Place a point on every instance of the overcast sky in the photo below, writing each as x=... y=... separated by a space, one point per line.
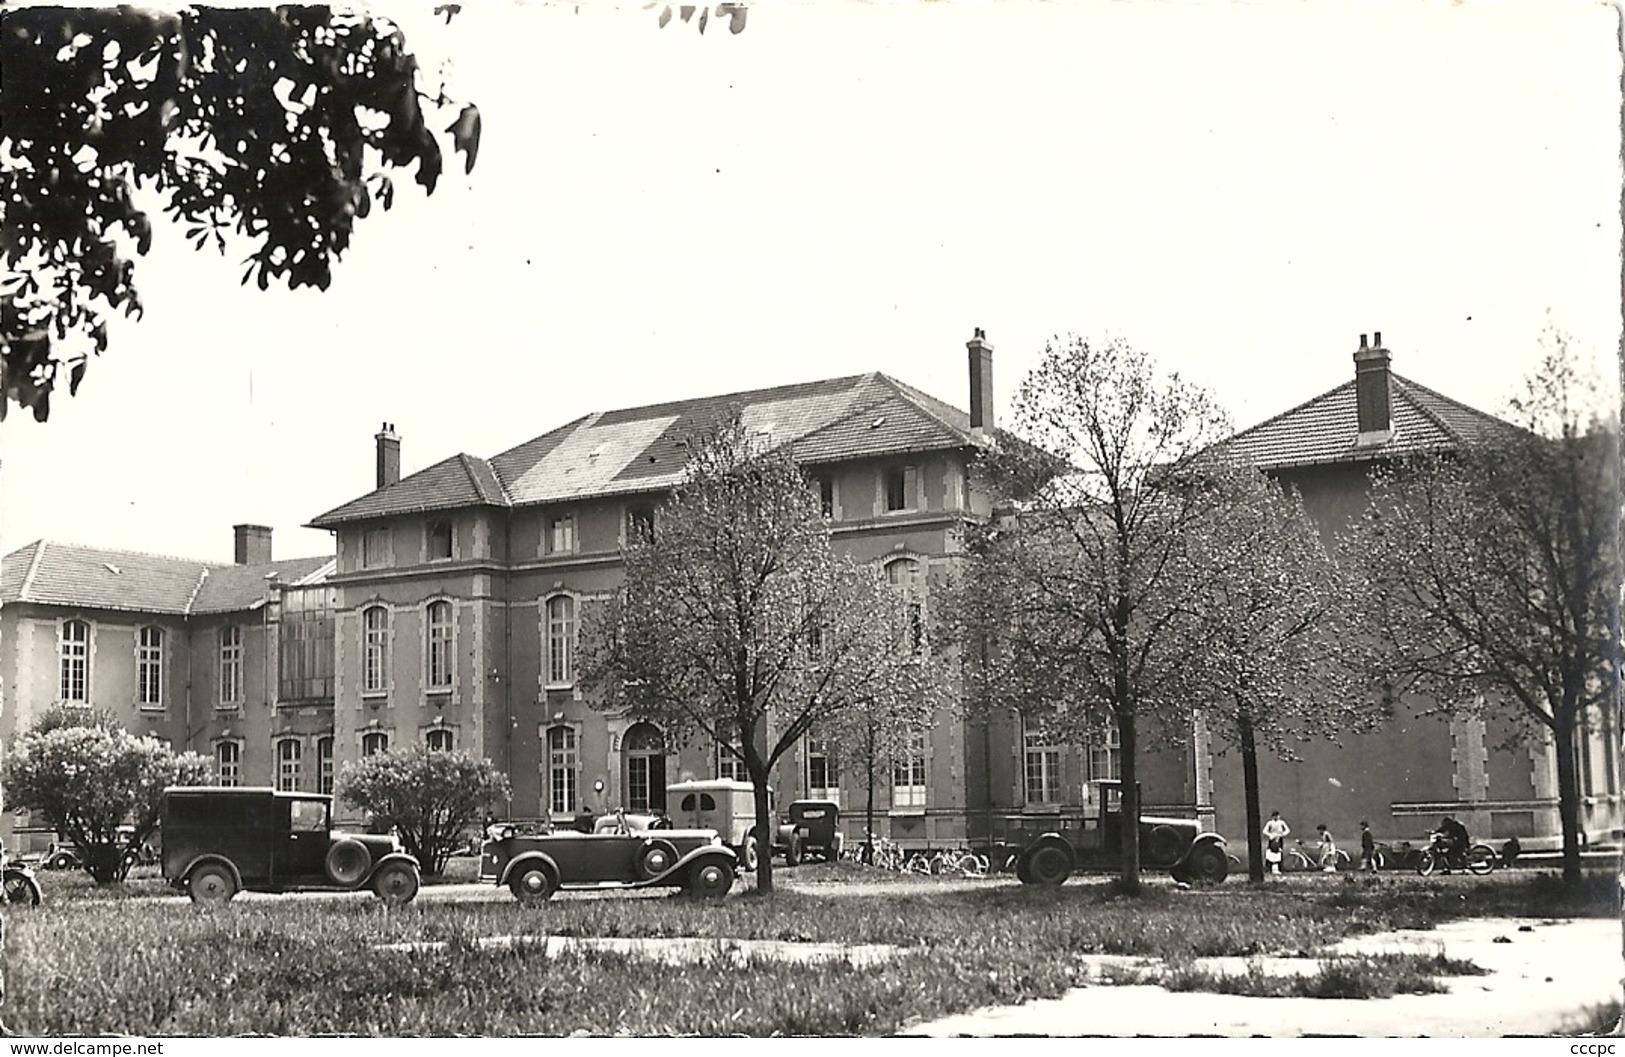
x=1239 y=189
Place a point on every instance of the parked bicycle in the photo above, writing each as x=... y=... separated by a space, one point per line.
x=1302 y=859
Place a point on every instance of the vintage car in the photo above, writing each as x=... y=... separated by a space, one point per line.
x=220 y=841
x=535 y=865
x=1175 y=844
x=729 y=807
x=817 y=828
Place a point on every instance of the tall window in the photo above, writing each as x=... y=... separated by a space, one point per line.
x=438 y=740
x=228 y=763
x=640 y=524
x=561 y=639
x=825 y=485
x=898 y=485
x=908 y=774
x=288 y=751
x=306 y=644
x=437 y=543
x=562 y=765
x=823 y=782
x=374 y=650
x=729 y=765
x=1105 y=755
x=907 y=577
x=561 y=534
x=438 y=676
x=374 y=548
x=374 y=742
x=1042 y=769
x=231 y=665
x=324 y=765
x=149 y=667
x=74 y=661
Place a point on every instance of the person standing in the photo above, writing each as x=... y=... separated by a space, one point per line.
x=1275 y=834
x=1368 y=848
x=1328 y=849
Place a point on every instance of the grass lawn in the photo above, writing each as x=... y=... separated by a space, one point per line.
x=116 y=960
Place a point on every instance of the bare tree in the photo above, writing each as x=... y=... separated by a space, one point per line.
x=738 y=624
x=1072 y=612
x=1495 y=572
x=1284 y=657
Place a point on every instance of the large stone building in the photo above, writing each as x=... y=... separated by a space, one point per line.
x=232 y=661
x=450 y=614
x=1418 y=767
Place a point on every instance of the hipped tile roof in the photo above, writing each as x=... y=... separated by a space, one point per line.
x=66 y=574
x=644 y=449
x=1325 y=429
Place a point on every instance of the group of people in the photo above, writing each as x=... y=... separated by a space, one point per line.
x=1451 y=832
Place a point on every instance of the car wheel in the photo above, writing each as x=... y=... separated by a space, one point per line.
x=60 y=861
x=211 y=883
x=1162 y=845
x=396 y=883
x=1049 y=864
x=21 y=890
x=532 y=885
x=710 y=880
x=792 y=852
x=1206 y=864
x=654 y=859
x=348 y=862
x=1023 y=874
x=1481 y=859
x=747 y=854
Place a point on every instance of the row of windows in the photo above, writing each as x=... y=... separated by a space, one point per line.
x=290 y=753
x=73 y=664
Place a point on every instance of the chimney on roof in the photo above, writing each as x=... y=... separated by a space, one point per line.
x=389 y=455
x=981 y=382
x=1371 y=391
x=251 y=544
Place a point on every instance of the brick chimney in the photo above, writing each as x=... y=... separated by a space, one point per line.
x=251 y=544
x=981 y=383
x=1371 y=391
x=389 y=455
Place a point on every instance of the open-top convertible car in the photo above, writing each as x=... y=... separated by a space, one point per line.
x=220 y=841
x=534 y=866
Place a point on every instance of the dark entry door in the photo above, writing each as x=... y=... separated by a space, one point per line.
x=645 y=753
x=303 y=840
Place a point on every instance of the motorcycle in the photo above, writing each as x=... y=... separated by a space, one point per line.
x=17 y=883
x=1478 y=858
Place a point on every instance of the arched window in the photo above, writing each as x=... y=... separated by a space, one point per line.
x=644 y=751
x=563 y=766
x=561 y=640
x=439 y=653
x=324 y=765
x=438 y=740
x=907 y=577
x=231 y=665
x=375 y=650
x=288 y=752
x=149 y=667
x=228 y=763
x=373 y=742
x=74 y=661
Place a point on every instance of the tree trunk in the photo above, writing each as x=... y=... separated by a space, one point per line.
x=1568 y=795
x=1127 y=739
x=1249 y=782
x=869 y=812
x=763 y=829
